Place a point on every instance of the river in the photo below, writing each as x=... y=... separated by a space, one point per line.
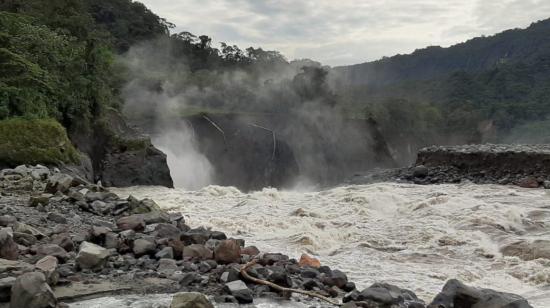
x=413 y=236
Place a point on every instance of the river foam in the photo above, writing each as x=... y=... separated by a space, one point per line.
x=416 y=237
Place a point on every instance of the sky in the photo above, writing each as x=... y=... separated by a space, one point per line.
x=342 y=32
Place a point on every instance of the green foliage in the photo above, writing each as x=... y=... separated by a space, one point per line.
x=50 y=74
x=38 y=141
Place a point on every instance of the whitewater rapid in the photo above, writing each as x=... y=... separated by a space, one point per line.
x=416 y=237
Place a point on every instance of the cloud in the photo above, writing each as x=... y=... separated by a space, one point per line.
x=347 y=31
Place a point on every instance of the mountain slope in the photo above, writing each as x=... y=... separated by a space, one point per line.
x=475 y=55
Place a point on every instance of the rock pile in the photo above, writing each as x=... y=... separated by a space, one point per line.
x=58 y=232
x=523 y=165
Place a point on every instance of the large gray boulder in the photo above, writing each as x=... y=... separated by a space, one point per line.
x=455 y=294
x=8 y=248
x=190 y=300
x=91 y=256
x=30 y=290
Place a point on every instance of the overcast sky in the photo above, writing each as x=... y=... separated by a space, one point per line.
x=337 y=32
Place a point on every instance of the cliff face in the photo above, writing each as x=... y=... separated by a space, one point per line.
x=121 y=156
x=252 y=152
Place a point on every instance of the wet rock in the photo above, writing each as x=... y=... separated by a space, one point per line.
x=528 y=182
x=197 y=251
x=306 y=260
x=546 y=184
x=144 y=246
x=133 y=222
x=420 y=171
x=456 y=294
x=197 y=236
x=309 y=273
x=250 y=251
x=228 y=251
x=8 y=247
x=272 y=258
x=57 y=218
x=52 y=250
x=240 y=291
x=59 y=182
x=91 y=256
x=190 y=300
x=280 y=278
x=5 y=288
x=165 y=253
x=163 y=230
x=217 y=235
x=528 y=250
x=230 y=275
x=336 y=278
x=31 y=290
x=387 y=294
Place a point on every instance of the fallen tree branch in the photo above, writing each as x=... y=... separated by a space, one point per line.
x=282 y=289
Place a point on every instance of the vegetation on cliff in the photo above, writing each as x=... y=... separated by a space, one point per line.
x=35 y=141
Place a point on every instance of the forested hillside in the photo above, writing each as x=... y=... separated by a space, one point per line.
x=488 y=89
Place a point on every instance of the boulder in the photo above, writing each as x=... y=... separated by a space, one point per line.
x=306 y=260
x=167 y=267
x=8 y=248
x=52 y=250
x=9 y=265
x=91 y=256
x=7 y=220
x=177 y=246
x=528 y=182
x=64 y=241
x=228 y=251
x=197 y=251
x=190 y=300
x=48 y=266
x=240 y=291
x=144 y=246
x=133 y=222
x=336 y=278
x=420 y=171
x=455 y=294
x=31 y=290
x=163 y=230
x=250 y=251
x=59 y=182
x=42 y=199
x=165 y=253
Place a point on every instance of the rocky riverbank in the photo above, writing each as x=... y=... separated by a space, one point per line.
x=526 y=166
x=63 y=240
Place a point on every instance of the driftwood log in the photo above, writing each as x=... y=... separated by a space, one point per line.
x=245 y=274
